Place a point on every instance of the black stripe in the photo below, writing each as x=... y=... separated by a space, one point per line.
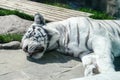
x=90 y=23
x=68 y=39
x=58 y=44
x=110 y=27
x=41 y=34
x=48 y=37
x=116 y=23
x=44 y=31
x=69 y=27
x=33 y=27
x=78 y=35
x=118 y=33
x=81 y=54
x=65 y=35
x=102 y=23
x=86 y=41
x=118 y=27
x=65 y=31
x=68 y=34
x=31 y=34
x=99 y=27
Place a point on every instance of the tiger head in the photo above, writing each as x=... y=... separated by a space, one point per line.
x=34 y=41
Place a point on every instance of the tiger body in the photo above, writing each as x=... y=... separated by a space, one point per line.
x=95 y=42
x=77 y=33
x=70 y=40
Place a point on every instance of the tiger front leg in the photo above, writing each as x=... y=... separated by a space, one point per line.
x=102 y=49
x=89 y=63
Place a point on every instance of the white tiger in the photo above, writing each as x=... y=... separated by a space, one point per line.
x=95 y=42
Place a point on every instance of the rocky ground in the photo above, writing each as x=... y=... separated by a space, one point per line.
x=13 y=24
x=53 y=66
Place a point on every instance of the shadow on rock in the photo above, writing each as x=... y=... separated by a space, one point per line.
x=53 y=57
x=117 y=63
x=56 y=57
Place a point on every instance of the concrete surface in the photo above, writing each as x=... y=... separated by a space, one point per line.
x=53 y=66
x=104 y=76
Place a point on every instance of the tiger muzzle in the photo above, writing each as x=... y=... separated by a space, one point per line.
x=37 y=50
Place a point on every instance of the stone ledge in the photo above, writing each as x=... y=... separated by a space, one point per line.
x=11 y=45
x=52 y=66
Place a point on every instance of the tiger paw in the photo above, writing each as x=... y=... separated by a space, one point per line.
x=89 y=70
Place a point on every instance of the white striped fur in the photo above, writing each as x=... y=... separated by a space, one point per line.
x=95 y=42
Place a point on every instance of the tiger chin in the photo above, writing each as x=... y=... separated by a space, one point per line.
x=95 y=42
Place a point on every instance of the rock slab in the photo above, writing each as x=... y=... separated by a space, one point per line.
x=13 y=24
x=53 y=66
x=11 y=45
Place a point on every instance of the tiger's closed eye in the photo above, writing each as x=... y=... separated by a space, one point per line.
x=29 y=31
x=33 y=27
x=44 y=35
x=38 y=29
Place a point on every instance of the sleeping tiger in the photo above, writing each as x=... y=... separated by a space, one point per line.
x=95 y=42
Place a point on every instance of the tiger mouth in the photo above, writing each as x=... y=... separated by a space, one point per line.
x=39 y=50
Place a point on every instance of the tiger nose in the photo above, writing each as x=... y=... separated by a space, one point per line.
x=25 y=49
x=39 y=49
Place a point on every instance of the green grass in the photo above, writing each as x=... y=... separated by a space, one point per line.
x=23 y=15
x=96 y=14
x=4 y=38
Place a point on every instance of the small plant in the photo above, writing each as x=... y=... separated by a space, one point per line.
x=15 y=12
x=4 y=38
x=96 y=14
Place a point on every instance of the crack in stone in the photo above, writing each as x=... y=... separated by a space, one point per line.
x=26 y=75
x=5 y=73
x=65 y=71
x=3 y=63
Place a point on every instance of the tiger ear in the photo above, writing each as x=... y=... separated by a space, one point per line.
x=38 y=19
